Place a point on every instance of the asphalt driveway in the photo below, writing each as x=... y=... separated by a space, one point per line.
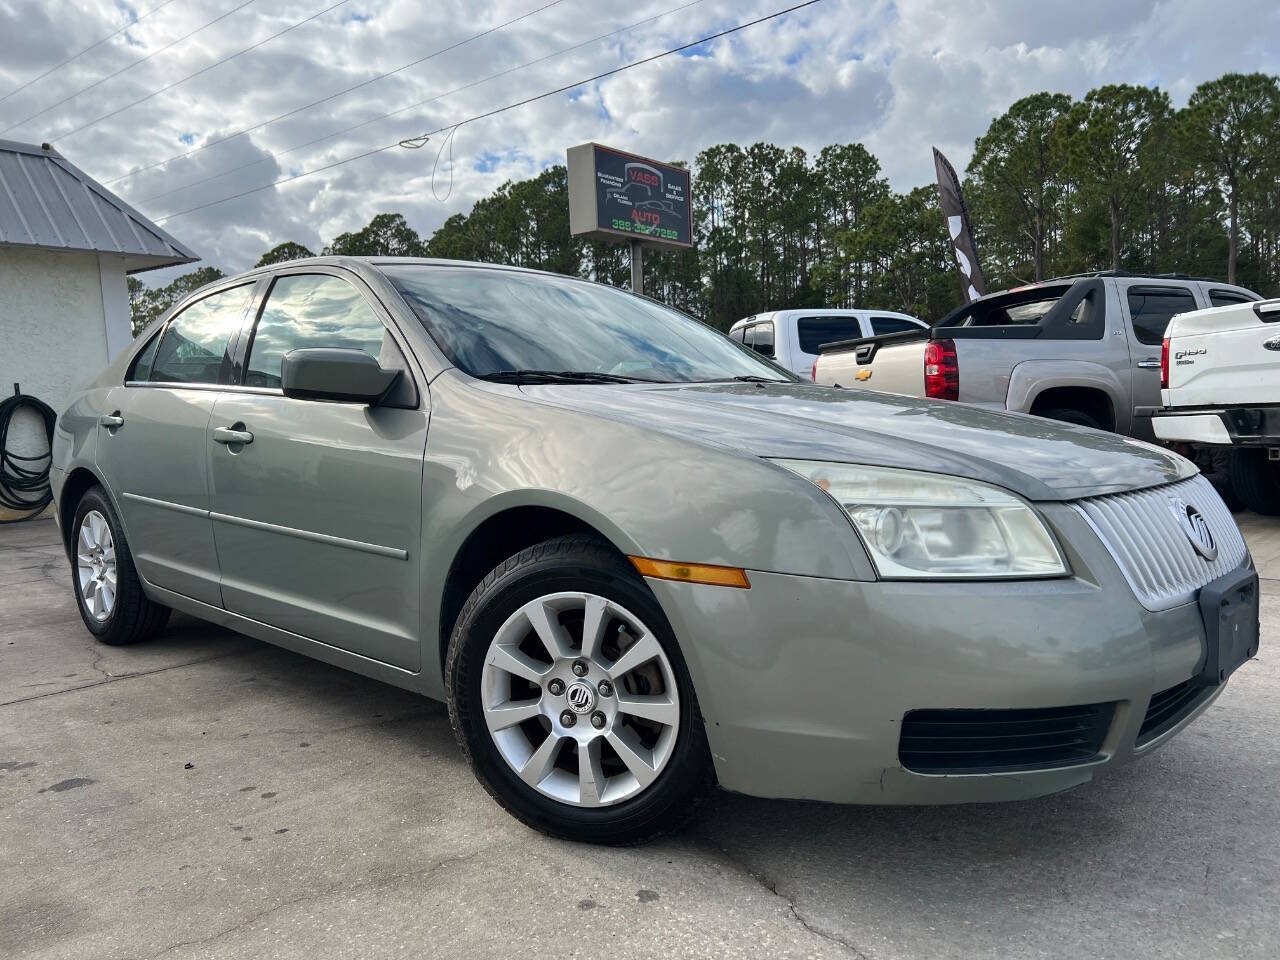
x=207 y=795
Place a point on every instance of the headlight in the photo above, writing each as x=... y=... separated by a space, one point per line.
x=924 y=526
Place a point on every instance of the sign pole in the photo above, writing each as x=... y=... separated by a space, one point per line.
x=637 y=267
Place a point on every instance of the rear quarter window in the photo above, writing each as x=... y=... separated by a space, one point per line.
x=760 y=338
x=140 y=369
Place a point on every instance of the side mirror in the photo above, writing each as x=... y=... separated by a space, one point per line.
x=342 y=375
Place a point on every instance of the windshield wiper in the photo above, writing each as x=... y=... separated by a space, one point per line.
x=558 y=376
x=750 y=378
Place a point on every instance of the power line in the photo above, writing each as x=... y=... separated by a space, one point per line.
x=419 y=103
x=206 y=69
x=333 y=96
x=92 y=46
x=110 y=76
x=493 y=113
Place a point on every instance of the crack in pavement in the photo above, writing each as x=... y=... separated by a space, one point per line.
x=116 y=678
x=768 y=883
x=421 y=874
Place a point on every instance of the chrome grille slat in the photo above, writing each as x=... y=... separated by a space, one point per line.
x=1145 y=537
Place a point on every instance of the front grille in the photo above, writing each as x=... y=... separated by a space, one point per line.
x=1168 y=708
x=1147 y=540
x=987 y=741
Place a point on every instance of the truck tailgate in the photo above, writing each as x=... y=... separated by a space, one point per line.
x=891 y=367
x=1224 y=357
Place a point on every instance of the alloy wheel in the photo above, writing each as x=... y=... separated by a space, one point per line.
x=96 y=565
x=580 y=699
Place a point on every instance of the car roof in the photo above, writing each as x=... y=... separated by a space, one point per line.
x=376 y=262
x=822 y=311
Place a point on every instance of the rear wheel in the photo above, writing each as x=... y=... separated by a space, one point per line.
x=1256 y=481
x=570 y=698
x=1067 y=415
x=108 y=590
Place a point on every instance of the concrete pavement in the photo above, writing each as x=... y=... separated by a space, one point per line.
x=210 y=796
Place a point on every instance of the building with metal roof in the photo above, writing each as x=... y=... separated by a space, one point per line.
x=67 y=246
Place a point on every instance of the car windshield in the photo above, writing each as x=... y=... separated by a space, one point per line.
x=503 y=323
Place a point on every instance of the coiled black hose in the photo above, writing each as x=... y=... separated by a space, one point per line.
x=24 y=480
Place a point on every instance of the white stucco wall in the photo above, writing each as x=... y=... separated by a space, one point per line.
x=62 y=317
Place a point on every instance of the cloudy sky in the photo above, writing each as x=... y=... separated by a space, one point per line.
x=898 y=76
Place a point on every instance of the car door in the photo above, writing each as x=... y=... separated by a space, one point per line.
x=1148 y=309
x=152 y=447
x=317 y=515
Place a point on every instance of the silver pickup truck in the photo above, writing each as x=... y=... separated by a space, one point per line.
x=1084 y=349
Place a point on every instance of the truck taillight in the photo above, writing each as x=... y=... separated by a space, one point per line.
x=941 y=370
x=1164 y=364
x=813 y=371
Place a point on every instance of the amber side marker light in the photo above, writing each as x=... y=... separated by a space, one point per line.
x=692 y=572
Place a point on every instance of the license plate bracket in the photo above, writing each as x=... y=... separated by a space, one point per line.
x=1229 y=607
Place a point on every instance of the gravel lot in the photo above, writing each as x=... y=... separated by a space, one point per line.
x=210 y=796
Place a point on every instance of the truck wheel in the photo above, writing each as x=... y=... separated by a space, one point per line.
x=1256 y=481
x=1072 y=416
x=1215 y=464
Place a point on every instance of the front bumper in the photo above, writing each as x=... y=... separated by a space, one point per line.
x=804 y=682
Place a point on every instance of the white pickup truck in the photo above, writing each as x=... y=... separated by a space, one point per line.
x=1083 y=349
x=1220 y=386
x=791 y=338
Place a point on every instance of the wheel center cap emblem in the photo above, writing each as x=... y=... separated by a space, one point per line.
x=1196 y=527
x=580 y=697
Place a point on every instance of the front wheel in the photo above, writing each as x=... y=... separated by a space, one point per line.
x=570 y=698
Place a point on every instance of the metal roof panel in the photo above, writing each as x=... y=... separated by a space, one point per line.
x=46 y=201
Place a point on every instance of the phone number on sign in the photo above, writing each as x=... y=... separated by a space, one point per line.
x=649 y=231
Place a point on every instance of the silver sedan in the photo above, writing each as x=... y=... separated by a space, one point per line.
x=638 y=560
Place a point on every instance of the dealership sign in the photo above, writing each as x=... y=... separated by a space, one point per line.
x=621 y=197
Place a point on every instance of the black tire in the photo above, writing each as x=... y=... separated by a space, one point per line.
x=134 y=617
x=1256 y=481
x=587 y=564
x=1078 y=417
x=1215 y=464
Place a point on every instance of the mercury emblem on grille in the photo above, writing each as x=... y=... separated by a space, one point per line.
x=1196 y=527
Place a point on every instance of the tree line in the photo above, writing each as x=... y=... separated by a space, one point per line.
x=1117 y=180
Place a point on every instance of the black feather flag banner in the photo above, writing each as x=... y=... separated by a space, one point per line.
x=957 y=217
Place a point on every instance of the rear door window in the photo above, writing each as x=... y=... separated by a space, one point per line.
x=196 y=344
x=1151 y=308
x=883 y=325
x=739 y=335
x=1227 y=298
x=815 y=331
x=314 y=310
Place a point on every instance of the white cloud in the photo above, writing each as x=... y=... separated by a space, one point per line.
x=899 y=76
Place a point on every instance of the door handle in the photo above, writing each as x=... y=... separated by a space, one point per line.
x=1151 y=363
x=111 y=421
x=228 y=435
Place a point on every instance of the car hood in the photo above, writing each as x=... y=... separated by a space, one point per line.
x=1037 y=458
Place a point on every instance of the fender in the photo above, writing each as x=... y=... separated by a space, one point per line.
x=1030 y=378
